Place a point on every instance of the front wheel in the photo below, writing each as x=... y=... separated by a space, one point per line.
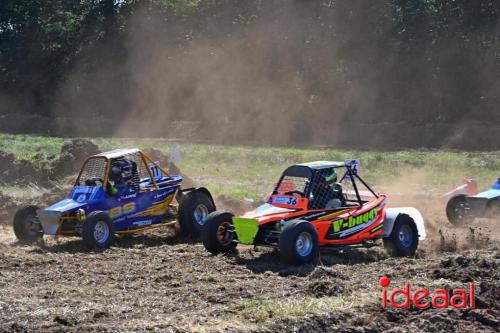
x=403 y=240
x=458 y=211
x=27 y=227
x=193 y=211
x=299 y=242
x=218 y=234
x=98 y=231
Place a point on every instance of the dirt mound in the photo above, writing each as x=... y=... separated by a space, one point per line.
x=165 y=161
x=467 y=268
x=73 y=154
x=322 y=282
x=20 y=172
x=234 y=205
x=14 y=171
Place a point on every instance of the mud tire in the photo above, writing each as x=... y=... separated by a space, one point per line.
x=403 y=240
x=194 y=206
x=90 y=233
x=210 y=233
x=299 y=243
x=24 y=229
x=455 y=211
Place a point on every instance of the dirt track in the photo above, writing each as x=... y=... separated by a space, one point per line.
x=161 y=282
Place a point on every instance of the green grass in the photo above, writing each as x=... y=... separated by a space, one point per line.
x=263 y=310
x=250 y=172
x=25 y=192
x=30 y=147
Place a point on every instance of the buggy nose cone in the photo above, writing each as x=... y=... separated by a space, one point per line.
x=49 y=220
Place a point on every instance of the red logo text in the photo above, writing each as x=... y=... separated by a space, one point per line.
x=423 y=299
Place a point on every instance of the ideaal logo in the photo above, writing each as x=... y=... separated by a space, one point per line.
x=439 y=298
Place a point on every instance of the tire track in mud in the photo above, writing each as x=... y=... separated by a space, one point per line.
x=160 y=281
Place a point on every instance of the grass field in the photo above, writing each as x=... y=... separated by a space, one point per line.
x=249 y=172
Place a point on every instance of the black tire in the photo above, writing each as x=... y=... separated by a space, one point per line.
x=91 y=235
x=457 y=211
x=218 y=234
x=403 y=240
x=27 y=227
x=297 y=251
x=193 y=211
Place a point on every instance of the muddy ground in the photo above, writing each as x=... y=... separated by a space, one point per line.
x=162 y=282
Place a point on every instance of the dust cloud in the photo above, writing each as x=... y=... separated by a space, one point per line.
x=240 y=85
x=276 y=75
x=300 y=73
x=415 y=189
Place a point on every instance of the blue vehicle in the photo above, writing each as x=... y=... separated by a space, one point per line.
x=118 y=192
x=465 y=204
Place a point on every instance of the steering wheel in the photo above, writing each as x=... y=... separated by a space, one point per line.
x=93 y=181
x=294 y=192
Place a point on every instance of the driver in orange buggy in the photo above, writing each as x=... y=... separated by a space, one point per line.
x=326 y=192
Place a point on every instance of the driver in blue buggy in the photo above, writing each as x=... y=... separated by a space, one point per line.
x=121 y=176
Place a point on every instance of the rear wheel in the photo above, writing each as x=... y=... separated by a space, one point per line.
x=218 y=234
x=299 y=242
x=27 y=227
x=98 y=231
x=193 y=211
x=403 y=240
x=458 y=211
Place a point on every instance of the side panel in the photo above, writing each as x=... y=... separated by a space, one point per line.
x=146 y=209
x=353 y=227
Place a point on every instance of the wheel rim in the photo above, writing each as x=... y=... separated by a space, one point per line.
x=460 y=211
x=405 y=236
x=101 y=232
x=225 y=233
x=200 y=214
x=304 y=244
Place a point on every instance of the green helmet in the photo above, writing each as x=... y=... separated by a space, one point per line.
x=328 y=176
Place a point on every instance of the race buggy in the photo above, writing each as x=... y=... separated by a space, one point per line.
x=466 y=204
x=117 y=192
x=311 y=209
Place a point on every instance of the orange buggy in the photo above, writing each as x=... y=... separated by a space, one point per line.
x=312 y=208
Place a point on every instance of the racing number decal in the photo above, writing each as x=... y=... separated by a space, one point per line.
x=115 y=212
x=155 y=171
x=129 y=208
x=292 y=201
x=118 y=211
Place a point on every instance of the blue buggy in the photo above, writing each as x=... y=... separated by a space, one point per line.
x=117 y=192
x=465 y=204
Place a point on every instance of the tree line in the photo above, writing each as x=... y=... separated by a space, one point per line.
x=416 y=61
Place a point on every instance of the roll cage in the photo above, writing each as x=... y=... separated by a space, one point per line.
x=311 y=172
x=148 y=173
